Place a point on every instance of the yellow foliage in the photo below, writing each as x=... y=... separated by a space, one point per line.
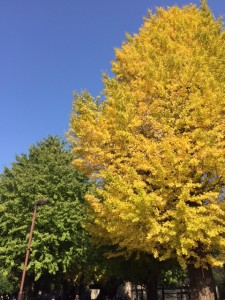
x=156 y=145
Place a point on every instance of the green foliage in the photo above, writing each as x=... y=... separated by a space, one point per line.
x=59 y=241
x=173 y=275
x=6 y=286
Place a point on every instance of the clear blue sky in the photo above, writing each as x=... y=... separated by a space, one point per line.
x=50 y=48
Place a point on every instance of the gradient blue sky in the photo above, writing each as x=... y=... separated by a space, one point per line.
x=50 y=48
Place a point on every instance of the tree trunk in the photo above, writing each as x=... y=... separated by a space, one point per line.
x=151 y=288
x=201 y=283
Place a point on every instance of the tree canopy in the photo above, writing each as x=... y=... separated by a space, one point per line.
x=155 y=145
x=59 y=241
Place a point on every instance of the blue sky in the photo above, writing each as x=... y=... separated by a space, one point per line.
x=50 y=48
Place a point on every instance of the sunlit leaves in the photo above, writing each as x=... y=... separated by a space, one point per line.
x=156 y=145
x=59 y=240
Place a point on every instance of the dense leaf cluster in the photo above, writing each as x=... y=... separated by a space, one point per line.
x=59 y=240
x=156 y=144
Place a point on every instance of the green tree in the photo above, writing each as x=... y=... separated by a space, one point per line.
x=59 y=244
x=6 y=282
x=156 y=144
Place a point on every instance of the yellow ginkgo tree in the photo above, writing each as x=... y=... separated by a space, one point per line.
x=156 y=146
